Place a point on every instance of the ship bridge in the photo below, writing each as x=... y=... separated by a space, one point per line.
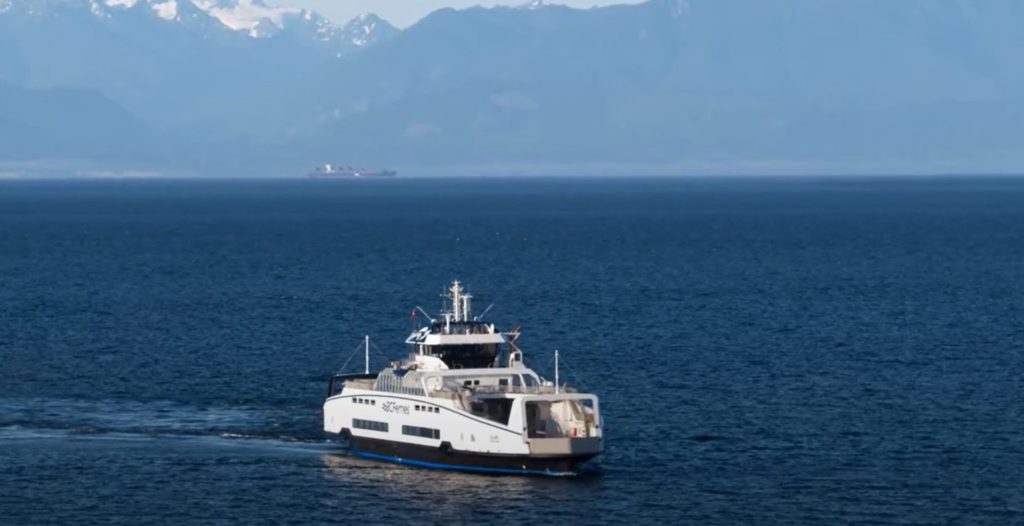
x=458 y=339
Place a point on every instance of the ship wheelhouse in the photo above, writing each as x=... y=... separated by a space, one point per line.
x=459 y=341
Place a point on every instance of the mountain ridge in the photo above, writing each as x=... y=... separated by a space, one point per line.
x=253 y=18
x=187 y=74
x=33 y=125
x=667 y=82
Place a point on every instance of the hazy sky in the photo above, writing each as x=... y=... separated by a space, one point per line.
x=405 y=12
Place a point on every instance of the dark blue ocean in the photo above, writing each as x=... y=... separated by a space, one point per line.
x=767 y=351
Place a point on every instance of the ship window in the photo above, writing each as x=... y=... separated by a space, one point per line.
x=503 y=381
x=373 y=402
x=424 y=432
x=437 y=410
x=468 y=382
x=370 y=425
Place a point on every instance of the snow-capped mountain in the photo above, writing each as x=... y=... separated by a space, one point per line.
x=168 y=10
x=366 y=30
x=669 y=80
x=260 y=20
x=207 y=67
x=533 y=5
x=661 y=81
x=253 y=18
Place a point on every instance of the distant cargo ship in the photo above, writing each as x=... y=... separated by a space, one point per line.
x=330 y=170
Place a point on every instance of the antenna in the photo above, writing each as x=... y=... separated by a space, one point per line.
x=366 y=356
x=482 y=314
x=556 y=371
x=429 y=317
x=457 y=300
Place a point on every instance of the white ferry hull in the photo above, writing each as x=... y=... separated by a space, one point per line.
x=464 y=442
x=447 y=459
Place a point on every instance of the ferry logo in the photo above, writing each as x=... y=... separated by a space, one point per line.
x=391 y=407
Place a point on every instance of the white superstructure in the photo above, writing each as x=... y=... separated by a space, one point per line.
x=464 y=400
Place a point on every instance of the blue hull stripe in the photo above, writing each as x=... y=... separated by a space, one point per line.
x=450 y=467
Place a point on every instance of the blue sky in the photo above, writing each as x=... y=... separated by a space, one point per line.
x=403 y=13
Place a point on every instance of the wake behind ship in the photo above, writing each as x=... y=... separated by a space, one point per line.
x=464 y=400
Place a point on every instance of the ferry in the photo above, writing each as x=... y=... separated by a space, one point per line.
x=464 y=400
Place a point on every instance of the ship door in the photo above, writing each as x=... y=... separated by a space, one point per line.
x=536 y=420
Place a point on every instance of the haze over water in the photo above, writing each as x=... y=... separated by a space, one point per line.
x=766 y=351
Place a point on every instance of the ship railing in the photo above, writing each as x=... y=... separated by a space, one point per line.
x=501 y=389
x=356 y=380
x=514 y=389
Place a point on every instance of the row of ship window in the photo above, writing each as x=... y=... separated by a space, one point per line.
x=416 y=431
x=372 y=425
x=424 y=432
x=418 y=407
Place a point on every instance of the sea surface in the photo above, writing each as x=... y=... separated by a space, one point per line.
x=767 y=351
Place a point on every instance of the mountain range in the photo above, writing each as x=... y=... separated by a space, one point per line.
x=668 y=86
